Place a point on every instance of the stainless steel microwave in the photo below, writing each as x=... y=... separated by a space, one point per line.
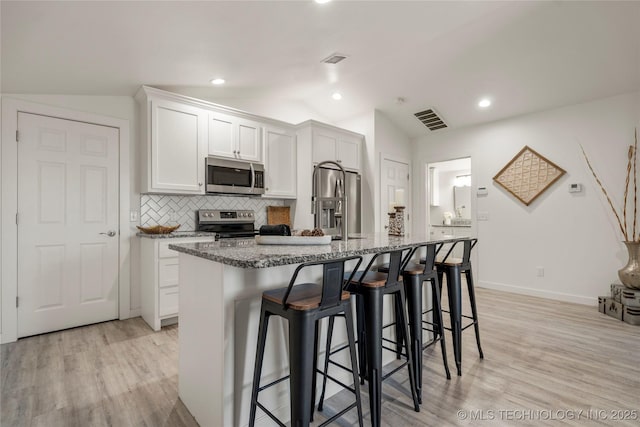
x=234 y=177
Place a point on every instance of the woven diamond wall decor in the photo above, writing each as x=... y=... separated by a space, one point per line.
x=528 y=175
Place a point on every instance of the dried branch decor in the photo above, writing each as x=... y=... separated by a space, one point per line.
x=623 y=224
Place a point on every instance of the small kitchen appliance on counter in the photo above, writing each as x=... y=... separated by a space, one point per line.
x=227 y=223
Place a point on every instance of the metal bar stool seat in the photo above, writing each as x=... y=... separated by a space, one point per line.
x=454 y=268
x=304 y=305
x=414 y=276
x=370 y=286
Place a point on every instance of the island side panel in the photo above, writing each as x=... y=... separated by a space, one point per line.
x=243 y=297
x=201 y=340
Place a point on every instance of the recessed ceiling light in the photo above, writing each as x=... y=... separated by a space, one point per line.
x=484 y=103
x=337 y=96
x=217 y=81
x=322 y=1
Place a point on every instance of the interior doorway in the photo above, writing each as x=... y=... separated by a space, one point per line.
x=449 y=207
x=68 y=255
x=395 y=190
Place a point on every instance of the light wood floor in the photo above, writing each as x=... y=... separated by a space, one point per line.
x=544 y=362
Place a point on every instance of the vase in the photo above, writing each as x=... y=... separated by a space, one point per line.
x=630 y=274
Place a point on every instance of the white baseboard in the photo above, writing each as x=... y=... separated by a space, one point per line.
x=136 y=312
x=578 y=299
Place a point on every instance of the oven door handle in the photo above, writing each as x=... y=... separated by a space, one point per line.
x=253 y=176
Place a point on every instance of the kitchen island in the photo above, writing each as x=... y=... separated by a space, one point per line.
x=221 y=284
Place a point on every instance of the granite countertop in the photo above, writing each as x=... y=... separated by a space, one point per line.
x=452 y=225
x=245 y=253
x=177 y=234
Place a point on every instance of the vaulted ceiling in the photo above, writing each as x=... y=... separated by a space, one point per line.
x=525 y=56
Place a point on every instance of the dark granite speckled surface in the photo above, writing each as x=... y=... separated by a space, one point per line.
x=177 y=235
x=245 y=253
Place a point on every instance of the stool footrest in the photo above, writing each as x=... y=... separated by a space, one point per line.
x=273 y=383
x=432 y=342
x=339 y=414
x=340 y=383
x=335 y=364
x=393 y=350
x=462 y=328
x=273 y=417
x=388 y=374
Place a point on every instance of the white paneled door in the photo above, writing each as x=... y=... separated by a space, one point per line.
x=394 y=175
x=67 y=223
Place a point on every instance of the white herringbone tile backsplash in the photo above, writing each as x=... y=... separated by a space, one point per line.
x=168 y=209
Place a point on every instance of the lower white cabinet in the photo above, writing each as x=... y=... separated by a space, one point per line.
x=160 y=269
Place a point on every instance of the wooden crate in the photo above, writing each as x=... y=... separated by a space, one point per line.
x=630 y=298
x=631 y=315
x=602 y=302
x=616 y=291
x=614 y=309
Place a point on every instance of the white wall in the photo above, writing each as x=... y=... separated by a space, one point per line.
x=573 y=236
x=364 y=124
x=382 y=137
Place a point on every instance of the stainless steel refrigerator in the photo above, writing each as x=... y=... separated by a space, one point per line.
x=329 y=217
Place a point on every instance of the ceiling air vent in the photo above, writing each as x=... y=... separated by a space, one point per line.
x=430 y=119
x=334 y=58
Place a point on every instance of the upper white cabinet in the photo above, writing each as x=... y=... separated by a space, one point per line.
x=280 y=162
x=342 y=147
x=174 y=136
x=234 y=137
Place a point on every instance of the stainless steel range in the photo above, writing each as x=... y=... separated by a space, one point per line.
x=227 y=223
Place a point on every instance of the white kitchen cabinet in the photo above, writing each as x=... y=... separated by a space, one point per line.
x=342 y=147
x=234 y=137
x=280 y=162
x=159 y=280
x=174 y=137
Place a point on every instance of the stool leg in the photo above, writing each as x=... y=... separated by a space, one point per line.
x=348 y=316
x=301 y=334
x=326 y=361
x=372 y=300
x=410 y=355
x=413 y=287
x=315 y=369
x=397 y=309
x=439 y=324
x=455 y=311
x=362 y=338
x=262 y=336
x=474 y=311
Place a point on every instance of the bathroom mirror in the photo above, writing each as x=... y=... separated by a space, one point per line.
x=462 y=202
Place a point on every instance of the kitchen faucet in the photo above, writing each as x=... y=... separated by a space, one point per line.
x=316 y=202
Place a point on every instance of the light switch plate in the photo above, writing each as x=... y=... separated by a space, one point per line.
x=482 y=216
x=133 y=216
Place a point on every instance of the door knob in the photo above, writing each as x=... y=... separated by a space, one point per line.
x=109 y=233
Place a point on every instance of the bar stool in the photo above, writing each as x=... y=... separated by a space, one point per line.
x=414 y=275
x=454 y=268
x=303 y=305
x=370 y=287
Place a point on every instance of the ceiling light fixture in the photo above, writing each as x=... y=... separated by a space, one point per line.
x=484 y=103
x=322 y=1
x=337 y=96
x=217 y=81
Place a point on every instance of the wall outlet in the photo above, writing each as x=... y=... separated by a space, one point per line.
x=482 y=216
x=133 y=216
x=540 y=271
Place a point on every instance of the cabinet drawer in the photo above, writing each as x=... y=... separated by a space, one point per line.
x=165 y=252
x=168 y=304
x=168 y=270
